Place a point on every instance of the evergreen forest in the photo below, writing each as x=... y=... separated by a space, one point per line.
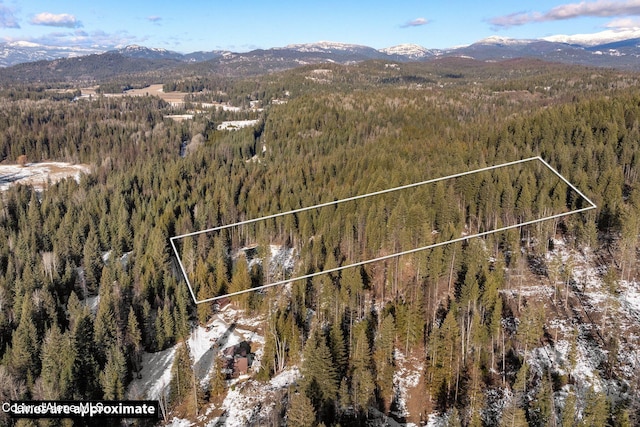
x=90 y=285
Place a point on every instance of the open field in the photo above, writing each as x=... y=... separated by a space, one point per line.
x=38 y=174
x=154 y=90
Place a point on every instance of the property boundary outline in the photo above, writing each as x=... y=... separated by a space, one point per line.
x=385 y=257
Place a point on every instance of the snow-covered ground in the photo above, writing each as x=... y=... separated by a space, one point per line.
x=204 y=344
x=599 y=315
x=281 y=259
x=237 y=124
x=406 y=377
x=251 y=401
x=38 y=174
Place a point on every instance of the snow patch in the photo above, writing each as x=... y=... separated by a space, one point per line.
x=155 y=375
x=250 y=401
x=237 y=124
x=204 y=344
x=39 y=174
x=406 y=376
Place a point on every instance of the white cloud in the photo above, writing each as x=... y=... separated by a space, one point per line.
x=415 y=23
x=154 y=18
x=623 y=23
x=56 y=20
x=7 y=18
x=598 y=8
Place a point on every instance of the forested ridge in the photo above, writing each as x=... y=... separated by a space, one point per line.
x=343 y=131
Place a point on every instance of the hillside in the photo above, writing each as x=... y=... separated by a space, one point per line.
x=532 y=326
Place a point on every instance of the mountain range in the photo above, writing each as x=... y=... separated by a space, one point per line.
x=28 y=61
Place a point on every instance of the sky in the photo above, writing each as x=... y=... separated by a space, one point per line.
x=240 y=26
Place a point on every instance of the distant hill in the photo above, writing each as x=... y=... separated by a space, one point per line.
x=12 y=53
x=35 y=63
x=91 y=68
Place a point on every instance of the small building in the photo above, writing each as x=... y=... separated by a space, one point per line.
x=240 y=366
x=239 y=358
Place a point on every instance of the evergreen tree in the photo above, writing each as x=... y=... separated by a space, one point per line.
x=569 y=411
x=542 y=411
x=25 y=350
x=596 y=410
x=58 y=359
x=513 y=416
x=113 y=377
x=85 y=368
x=300 y=412
x=320 y=380
x=241 y=281
x=218 y=383
x=92 y=262
x=183 y=386
x=133 y=340
x=383 y=360
x=338 y=348
x=453 y=420
x=362 y=379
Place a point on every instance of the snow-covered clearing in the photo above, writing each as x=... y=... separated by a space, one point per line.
x=179 y=117
x=204 y=344
x=39 y=174
x=237 y=124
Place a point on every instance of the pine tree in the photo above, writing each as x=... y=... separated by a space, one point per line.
x=596 y=411
x=241 y=281
x=542 y=410
x=92 y=262
x=444 y=355
x=58 y=359
x=513 y=416
x=218 y=383
x=338 y=348
x=133 y=339
x=300 y=412
x=530 y=328
x=25 y=350
x=320 y=380
x=520 y=384
x=383 y=360
x=85 y=368
x=113 y=377
x=569 y=411
x=182 y=384
x=453 y=420
x=362 y=379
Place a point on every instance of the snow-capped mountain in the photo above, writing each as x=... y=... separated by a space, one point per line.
x=17 y=52
x=620 y=53
x=339 y=52
x=504 y=41
x=596 y=39
x=326 y=47
x=135 y=51
x=410 y=51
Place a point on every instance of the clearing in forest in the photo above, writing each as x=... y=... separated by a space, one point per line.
x=39 y=175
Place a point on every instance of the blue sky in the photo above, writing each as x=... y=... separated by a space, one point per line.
x=193 y=25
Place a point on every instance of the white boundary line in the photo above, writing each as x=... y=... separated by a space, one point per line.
x=382 y=258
